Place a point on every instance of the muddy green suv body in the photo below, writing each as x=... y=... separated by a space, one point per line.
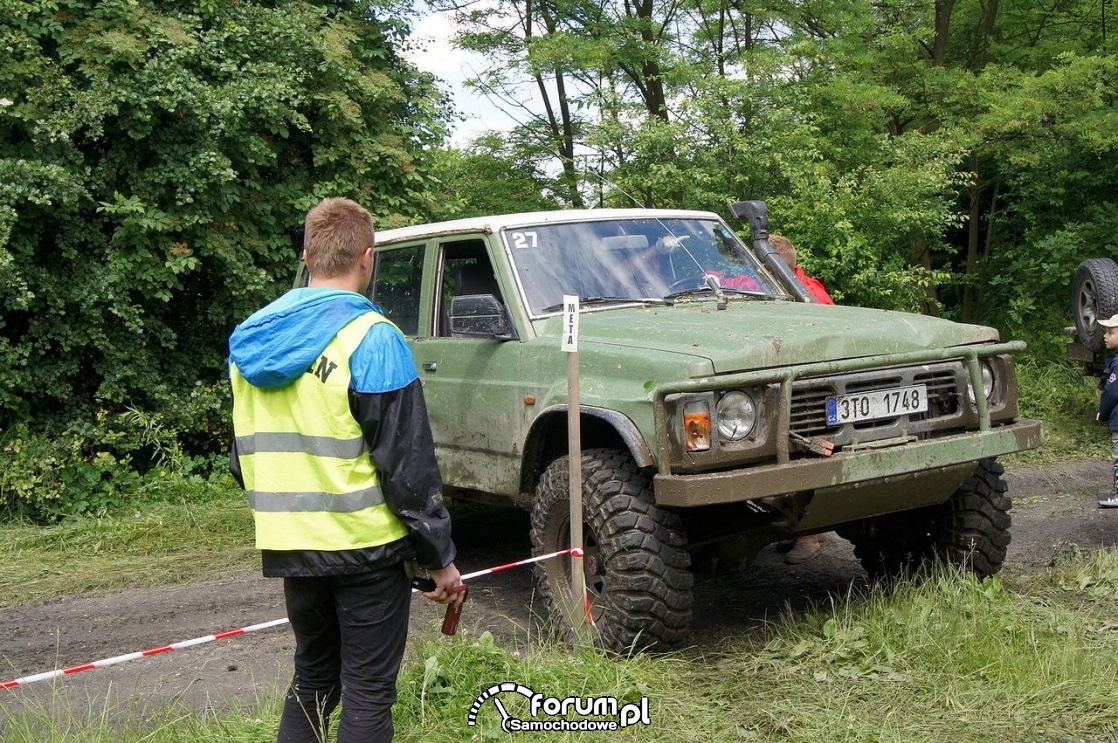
x=720 y=411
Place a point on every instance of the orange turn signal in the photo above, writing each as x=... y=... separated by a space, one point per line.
x=696 y=426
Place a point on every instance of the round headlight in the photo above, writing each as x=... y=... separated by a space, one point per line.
x=987 y=382
x=737 y=414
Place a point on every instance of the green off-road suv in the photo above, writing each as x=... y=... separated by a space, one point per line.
x=720 y=409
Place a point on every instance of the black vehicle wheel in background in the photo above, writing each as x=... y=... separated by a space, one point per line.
x=1094 y=297
x=636 y=560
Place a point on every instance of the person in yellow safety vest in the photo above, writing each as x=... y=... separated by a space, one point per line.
x=333 y=446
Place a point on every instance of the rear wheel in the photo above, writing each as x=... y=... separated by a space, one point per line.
x=971 y=530
x=1094 y=297
x=636 y=563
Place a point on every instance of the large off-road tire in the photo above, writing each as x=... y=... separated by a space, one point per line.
x=1094 y=297
x=636 y=563
x=970 y=529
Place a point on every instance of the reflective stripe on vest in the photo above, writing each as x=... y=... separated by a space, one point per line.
x=304 y=460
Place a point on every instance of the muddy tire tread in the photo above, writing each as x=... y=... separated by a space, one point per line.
x=646 y=604
x=971 y=530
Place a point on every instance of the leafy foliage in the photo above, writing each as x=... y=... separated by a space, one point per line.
x=488 y=176
x=156 y=160
x=97 y=468
x=950 y=158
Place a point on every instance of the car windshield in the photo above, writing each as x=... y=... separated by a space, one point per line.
x=635 y=260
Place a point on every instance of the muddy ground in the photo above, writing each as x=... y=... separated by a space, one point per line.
x=1052 y=508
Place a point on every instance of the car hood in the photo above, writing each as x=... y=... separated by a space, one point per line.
x=756 y=335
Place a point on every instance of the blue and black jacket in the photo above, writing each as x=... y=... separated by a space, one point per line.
x=1108 y=403
x=277 y=345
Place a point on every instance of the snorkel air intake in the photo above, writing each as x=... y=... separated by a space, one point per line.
x=756 y=215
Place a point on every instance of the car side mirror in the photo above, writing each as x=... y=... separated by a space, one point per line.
x=480 y=316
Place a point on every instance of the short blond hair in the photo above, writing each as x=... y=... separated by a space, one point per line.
x=335 y=234
x=784 y=248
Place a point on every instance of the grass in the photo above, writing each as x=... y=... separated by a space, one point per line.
x=44 y=722
x=160 y=543
x=1067 y=401
x=1034 y=658
x=952 y=659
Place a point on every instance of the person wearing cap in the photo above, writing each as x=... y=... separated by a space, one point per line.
x=1108 y=403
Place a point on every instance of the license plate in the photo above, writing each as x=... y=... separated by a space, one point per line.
x=868 y=406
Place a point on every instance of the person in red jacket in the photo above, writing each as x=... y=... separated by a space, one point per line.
x=806 y=547
x=786 y=250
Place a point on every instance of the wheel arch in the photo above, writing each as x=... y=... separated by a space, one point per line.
x=600 y=428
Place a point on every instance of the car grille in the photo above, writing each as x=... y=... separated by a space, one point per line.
x=809 y=414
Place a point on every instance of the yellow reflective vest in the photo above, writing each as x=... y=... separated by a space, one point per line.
x=304 y=460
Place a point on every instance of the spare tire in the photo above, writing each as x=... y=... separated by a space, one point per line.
x=1094 y=297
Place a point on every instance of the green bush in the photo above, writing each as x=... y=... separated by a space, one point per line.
x=96 y=467
x=156 y=162
x=44 y=477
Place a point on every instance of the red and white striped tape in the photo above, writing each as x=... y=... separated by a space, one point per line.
x=141 y=654
x=573 y=551
x=241 y=631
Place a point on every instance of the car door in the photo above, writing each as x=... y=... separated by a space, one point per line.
x=478 y=401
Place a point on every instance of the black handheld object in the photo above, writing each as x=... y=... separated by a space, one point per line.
x=423 y=585
x=453 y=612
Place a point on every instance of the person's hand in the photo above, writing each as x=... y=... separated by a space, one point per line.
x=667 y=245
x=446 y=579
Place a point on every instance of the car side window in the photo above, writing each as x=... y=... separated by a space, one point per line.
x=466 y=270
x=396 y=286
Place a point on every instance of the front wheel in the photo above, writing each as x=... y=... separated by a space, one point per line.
x=970 y=529
x=636 y=563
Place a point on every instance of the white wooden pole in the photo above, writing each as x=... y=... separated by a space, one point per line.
x=574 y=452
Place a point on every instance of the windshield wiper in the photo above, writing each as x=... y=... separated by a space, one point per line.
x=748 y=293
x=611 y=300
x=724 y=289
x=692 y=290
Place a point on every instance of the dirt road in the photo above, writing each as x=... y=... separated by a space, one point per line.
x=1051 y=507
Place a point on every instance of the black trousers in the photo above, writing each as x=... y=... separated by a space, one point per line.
x=350 y=633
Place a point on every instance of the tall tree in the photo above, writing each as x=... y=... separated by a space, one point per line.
x=584 y=60
x=519 y=37
x=156 y=159
x=924 y=153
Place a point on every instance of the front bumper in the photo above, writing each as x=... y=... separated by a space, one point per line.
x=851 y=469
